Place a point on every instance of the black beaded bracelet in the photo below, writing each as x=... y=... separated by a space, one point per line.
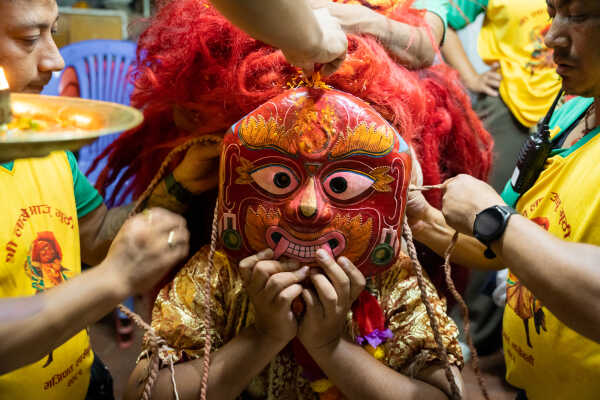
x=175 y=189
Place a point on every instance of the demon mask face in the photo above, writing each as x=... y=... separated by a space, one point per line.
x=310 y=169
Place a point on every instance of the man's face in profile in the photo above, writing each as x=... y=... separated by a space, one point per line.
x=28 y=53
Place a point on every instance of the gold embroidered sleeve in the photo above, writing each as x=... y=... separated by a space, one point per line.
x=413 y=345
x=180 y=307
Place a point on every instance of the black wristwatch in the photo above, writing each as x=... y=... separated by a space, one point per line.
x=490 y=224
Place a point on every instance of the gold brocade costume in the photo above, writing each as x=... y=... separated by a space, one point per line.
x=179 y=308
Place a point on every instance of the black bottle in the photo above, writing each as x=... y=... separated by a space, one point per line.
x=533 y=154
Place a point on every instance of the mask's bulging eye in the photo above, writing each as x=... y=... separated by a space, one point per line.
x=338 y=185
x=346 y=184
x=275 y=179
x=282 y=180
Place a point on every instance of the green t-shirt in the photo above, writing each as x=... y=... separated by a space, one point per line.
x=462 y=12
x=87 y=198
x=438 y=7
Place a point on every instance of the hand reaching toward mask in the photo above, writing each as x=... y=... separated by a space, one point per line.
x=464 y=197
x=331 y=51
x=147 y=246
x=353 y=18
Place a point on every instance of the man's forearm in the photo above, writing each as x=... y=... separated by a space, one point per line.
x=99 y=228
x=31 y=327
x=97 y=231
x=232 y=367
x=286 y=24
x=434 y=233
x=564 y=276
x=412 y=46
x=455 y=55
x=360 y=376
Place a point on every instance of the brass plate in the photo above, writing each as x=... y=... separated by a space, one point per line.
x=90 y=119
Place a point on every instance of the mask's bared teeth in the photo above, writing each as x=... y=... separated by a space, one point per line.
x=281 y=247
x=325 y=246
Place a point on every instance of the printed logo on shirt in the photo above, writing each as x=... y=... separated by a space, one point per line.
x=44 y=262
x=541 y=57
x=44 y=266
x=522 y=301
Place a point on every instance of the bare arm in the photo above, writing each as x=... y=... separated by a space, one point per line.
x=98 y=228
x=433 y=231
x=232 y=367
x=140 y=256
x=30 y=327
x=455 y=55
x=564 y=276
x=290 y=25
x=196 y=173
x=280 y=23
x=413 y=47
x=360 y=376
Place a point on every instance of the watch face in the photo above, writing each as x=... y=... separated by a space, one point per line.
x=488 y=223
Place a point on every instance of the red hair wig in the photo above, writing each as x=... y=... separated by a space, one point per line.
x=198 y=74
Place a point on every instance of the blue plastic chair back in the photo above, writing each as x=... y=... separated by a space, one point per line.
x=102 y=68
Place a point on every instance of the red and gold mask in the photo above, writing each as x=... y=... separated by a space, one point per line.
x=310 y=169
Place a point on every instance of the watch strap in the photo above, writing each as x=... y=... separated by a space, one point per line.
x=176 y=190
x=506 y=212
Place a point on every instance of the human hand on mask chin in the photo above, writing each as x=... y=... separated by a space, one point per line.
x=464 y=197
x=272 y=287
x=336 y=287
x=198 y=172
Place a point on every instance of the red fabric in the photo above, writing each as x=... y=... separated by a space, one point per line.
x=367 y=314
x=310 y=368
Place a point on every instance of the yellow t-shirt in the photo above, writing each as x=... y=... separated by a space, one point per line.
x=39 y=249
x=543 y=356
x=513 y=35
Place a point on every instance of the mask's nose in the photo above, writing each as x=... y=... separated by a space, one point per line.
x=308 y=200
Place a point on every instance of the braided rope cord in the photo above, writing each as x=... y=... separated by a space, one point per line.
x=155 y=342
x=459 y=300
x=465 y=315
x=441 y=350
x=207 y=318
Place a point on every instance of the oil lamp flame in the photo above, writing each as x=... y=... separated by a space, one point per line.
x=3 y=81
x=5 y=112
